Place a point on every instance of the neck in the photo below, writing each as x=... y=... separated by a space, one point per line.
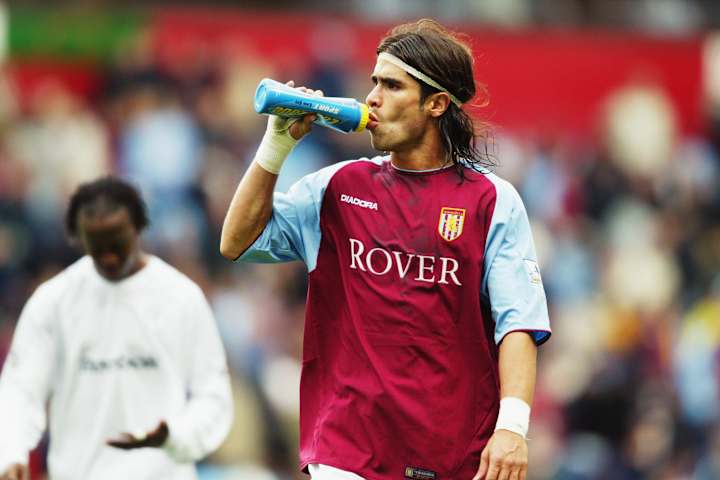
x=138 y=264
x=428 y=154
x=416 y=162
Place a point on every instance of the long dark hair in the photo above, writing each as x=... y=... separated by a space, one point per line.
x=443 y=56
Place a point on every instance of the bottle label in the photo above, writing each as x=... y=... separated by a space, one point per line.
x=342 y=114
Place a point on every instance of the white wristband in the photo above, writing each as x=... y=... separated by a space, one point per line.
x=276 y=145
x=514 y=416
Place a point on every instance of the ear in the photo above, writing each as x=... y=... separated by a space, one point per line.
x=437 y=103
x=75 y=241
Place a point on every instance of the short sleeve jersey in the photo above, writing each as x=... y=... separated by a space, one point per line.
x=415 y=277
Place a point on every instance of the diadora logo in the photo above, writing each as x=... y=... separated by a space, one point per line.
x=358 y=202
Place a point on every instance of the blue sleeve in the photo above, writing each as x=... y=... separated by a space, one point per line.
x=512 y=283
x=293 y=232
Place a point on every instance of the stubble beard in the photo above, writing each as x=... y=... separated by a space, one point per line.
x=380 y=144
x=376 y=144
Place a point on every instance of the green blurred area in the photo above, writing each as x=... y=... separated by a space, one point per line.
x=71 y=34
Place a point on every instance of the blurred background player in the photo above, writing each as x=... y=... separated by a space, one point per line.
x=124 y=350
x=425 y=303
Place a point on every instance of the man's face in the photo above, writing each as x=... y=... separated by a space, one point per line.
x=395 y=104
x=111 y=239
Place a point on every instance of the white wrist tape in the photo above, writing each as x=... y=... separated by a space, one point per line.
x=276 y=145
x=514 y=416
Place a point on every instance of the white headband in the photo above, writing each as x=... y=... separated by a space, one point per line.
x=417 y=74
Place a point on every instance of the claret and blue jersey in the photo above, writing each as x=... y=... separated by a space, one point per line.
x=415 y=277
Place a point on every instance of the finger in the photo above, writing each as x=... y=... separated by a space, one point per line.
x=515 y=474
x=125 y=444
x=18 y=472
x=319 y=93
x=482 y=469
x=160 y=434
x=123 y=438
x=493 y=471
x=290 y=83
x=135 y=437
x=302 y=127
x=118 y=444
x=504 y=473
x=523 y=472
x=305 y=125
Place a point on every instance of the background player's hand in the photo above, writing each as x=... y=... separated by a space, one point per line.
x=505 y=457
x=16 y=471
x=296 y=127
x=154 y=438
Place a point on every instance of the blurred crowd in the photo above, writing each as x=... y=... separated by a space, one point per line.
x=627 y=227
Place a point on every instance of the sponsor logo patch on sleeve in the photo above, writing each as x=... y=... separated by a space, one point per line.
x=533 y=271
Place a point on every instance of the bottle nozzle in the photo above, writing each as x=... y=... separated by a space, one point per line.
x=364 y=116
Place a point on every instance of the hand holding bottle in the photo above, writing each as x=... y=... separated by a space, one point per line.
x=297 y=127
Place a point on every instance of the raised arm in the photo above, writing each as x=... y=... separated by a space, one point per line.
x=249 y=211
x=251 y=206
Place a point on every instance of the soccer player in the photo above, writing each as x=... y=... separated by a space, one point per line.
x=425 y=304
x=125 y=351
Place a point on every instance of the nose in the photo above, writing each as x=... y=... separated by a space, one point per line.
x=373 y=98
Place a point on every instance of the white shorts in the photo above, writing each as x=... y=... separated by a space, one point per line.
x=324 y=472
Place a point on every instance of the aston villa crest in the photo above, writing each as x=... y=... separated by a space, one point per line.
x=451 y=223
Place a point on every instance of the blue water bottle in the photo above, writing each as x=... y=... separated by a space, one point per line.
x=339 y=113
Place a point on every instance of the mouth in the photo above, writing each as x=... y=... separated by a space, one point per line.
x=373 y=121
x=111 y=273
